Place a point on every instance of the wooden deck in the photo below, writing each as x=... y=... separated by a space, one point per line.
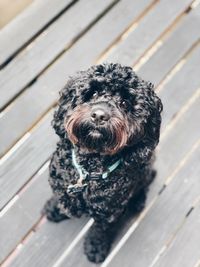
x=38 y=50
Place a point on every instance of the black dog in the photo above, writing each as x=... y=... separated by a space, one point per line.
x=108 y=121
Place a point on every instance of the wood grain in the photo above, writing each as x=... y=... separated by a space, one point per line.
x=18 y=32
x=43 y=50
x=157 y=21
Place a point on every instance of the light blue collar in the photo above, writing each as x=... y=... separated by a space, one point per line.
x=84 y=174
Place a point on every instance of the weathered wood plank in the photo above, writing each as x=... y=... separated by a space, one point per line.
x=26 y=160
x=181 y=87
x=184 y=251
x=148 y=31
x=37 y=99
x=37 y=15
x=45 y=247
x=24 y=213
x=72 y=260
x=166 y=213
x=44 y=49
x=173 y=49
x=176 y=143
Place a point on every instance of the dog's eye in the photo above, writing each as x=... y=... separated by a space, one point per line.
x=124 y=104
x=95 y=94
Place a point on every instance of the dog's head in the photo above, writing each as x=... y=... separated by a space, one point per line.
x=107 y=108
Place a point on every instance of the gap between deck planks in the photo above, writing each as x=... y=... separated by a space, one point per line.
x=39 y=14
x=32 y=196
x=154 y=24
x=184 y=250
x=173 y=49
x=177 y=83
x=55 y=77
x=26 y=160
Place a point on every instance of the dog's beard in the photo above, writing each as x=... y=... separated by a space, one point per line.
x=107 y=139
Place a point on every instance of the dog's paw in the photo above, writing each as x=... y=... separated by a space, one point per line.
x=96 y=245
x=137 y=204
x=52 y=212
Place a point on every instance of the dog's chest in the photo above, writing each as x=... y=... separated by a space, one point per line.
x=99 y=189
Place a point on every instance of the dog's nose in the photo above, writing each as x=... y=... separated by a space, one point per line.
x=99 y=115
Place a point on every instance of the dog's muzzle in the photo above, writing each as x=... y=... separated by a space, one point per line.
x=99 y=127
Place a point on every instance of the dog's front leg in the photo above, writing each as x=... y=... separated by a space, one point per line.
x=98 y=241
x=52 y=210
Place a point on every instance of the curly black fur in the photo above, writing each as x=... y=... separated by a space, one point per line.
x=131 y=133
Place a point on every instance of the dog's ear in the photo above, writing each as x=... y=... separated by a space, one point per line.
x=66 y=103
x=152 y=127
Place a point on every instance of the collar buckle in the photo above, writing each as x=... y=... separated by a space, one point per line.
x=76 y=188
x=95 y=176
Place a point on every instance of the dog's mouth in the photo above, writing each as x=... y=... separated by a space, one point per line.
x=96 y=134
x=96 y=140
x=108 y=138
